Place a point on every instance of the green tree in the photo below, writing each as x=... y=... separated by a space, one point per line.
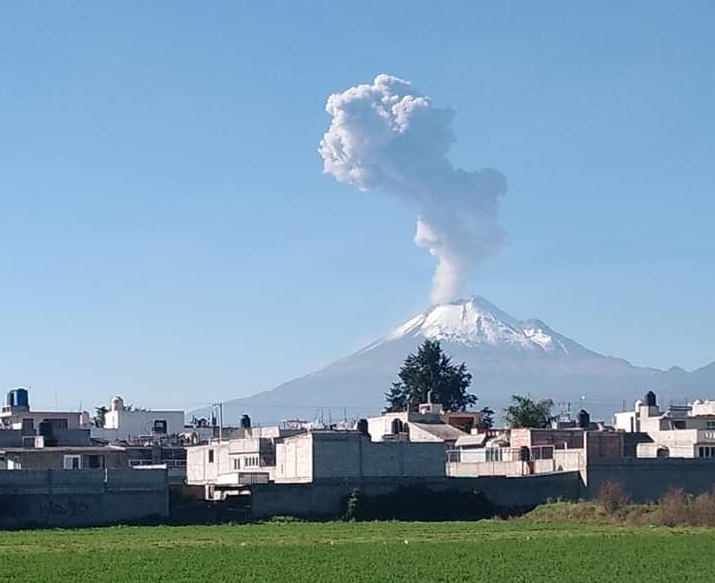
x=487 y=418
x=430 y=370
x=525 y=412
x=98 y=419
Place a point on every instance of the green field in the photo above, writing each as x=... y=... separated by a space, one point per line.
x=513 y=550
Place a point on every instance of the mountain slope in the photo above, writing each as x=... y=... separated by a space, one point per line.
x=505 y=356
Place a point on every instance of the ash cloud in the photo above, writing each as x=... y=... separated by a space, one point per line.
x=385 y=136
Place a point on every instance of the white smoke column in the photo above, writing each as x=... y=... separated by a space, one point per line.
x=385 y=136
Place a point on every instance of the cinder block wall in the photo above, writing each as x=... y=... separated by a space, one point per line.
x=647 y=480
x=326 y=498
x=71 y=498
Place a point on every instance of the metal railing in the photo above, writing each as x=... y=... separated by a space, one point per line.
x=170 y=464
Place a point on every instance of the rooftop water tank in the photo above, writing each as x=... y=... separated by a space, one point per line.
x=22 y=398
x=11 y=398
x=584 y=419
x=245 y=421
x=650 y=399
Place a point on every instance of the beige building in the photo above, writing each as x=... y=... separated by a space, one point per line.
x=686 y=431
x=428 y=424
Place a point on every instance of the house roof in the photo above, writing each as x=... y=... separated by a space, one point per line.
x=88 y=449
x=441 y=430
x=471 y=440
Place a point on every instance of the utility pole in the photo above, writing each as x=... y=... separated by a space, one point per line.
x=220 y=422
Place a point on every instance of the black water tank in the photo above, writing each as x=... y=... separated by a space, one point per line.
x=362 y=427
x=650 y=399
x=584 y=419
x=245 y=421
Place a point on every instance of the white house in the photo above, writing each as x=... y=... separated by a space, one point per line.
x=428 y=424
x=131 y=425
x=683 y=431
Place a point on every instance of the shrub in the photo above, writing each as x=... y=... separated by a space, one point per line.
x=612 y=496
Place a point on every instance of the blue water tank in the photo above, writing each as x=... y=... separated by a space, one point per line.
x=22 y=398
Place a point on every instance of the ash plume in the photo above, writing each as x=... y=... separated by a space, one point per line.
x=385 y=136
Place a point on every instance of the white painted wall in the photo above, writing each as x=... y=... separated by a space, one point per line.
x=125 y=425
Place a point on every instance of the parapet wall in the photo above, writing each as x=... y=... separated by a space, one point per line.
x=69 y=498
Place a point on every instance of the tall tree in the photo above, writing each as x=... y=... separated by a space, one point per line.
x=525 y=412
x=99 y=417
x=430 y=370
x=487 y=418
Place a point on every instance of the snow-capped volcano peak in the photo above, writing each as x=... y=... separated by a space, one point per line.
x=478 y=322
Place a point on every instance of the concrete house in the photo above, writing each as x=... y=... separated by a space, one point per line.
x=131 y=425
x=686 y=431
x=428 y=424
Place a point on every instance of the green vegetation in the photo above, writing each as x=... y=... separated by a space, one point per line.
x=525 y=412
x=430 y=369
x=520 y=550
x=675 y=508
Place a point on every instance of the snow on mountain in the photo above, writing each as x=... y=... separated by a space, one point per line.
x=475 y=322
x=505 y=356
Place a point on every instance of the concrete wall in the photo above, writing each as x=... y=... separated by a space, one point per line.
x=201 y=471
x=71 y=498
x=126 y=425
x=317 y=456
x=502 y=468
x=646 y=480
x=327 y=498
x=294 y=459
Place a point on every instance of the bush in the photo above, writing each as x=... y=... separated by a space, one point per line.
x=354 y=505
x=680 y=509
x=612 y=496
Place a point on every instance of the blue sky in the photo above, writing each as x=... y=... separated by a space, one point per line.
x=169 y=234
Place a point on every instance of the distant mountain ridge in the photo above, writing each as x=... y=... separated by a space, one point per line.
x=505 y=356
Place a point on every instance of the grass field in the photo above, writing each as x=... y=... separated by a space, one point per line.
x=513 y=550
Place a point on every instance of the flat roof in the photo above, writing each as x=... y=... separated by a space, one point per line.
x=61 y=448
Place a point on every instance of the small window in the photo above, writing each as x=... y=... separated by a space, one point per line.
x=710 y=424
x=211 y=456
x=73 y=462
x=237 y=463
x=160 y=426
x=95 y=462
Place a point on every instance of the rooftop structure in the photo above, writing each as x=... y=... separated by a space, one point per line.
x=123 y=424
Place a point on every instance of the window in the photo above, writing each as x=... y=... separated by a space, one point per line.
x=251 y=462
x=237 y=463
x=211 y=456
x=706 y=452
x=73 y=462
x=95 y=462
x=710 y=425
x=160 y=426
x=59 y=424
